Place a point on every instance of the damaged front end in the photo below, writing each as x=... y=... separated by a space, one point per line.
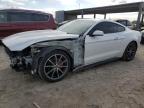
x=30 y=57
x=19 y=59
x=73 y=47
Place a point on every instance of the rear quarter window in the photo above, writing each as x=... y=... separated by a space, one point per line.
x=26 y=17
x=18 y=17
x=122 y=22
x=3 y=17
x=39 y=17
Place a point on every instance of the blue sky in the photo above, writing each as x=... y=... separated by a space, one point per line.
x=54 y=5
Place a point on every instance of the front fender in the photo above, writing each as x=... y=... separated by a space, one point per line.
x=37 y=58
x=74 y=48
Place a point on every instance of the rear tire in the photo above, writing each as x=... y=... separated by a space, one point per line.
x=54 y=66
x=130 y=52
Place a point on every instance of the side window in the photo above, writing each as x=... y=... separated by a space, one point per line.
x=108 y=27
x=18 y=17
x=128 y=23
x=3 y=17
x=119 y=28
x=39 y=17
x=105 y=27
x=124 y=22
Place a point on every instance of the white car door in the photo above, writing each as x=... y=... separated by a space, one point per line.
x=99 y=48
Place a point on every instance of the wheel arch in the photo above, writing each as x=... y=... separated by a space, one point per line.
x=125 y=57
x=133 y=41
x=67 y=51
x=38 y=58
x=129 y=43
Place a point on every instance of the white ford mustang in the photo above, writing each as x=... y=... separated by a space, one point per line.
x=53 y=53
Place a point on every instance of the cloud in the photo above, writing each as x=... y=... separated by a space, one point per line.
x=59 y=4
x=54 y=5
x=69 y=4
x=47 y=10
x=15 y=3
x=33 y=1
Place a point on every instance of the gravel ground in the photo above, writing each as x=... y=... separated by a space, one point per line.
x=114 y=85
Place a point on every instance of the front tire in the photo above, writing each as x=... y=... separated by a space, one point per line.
x=54 y=66
x=130 y=52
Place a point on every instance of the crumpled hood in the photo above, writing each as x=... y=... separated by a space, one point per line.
x=20 y=41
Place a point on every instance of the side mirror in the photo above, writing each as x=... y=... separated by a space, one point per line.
x=98 y=33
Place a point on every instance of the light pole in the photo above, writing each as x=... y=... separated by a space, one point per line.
x=79 y=4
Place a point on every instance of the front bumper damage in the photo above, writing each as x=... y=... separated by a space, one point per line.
x=17 y=59
x=30 y=58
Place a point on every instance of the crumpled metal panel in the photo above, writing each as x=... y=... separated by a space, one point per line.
x=75 y=47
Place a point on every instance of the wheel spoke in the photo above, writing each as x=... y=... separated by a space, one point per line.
x=63 y=62
x=58 y=73
x=51 y=62
x=49 y=66
x=56 y=61
x=47 y=73
x=60 y=70
x=53 y=73
x=131 y=52
x=60 y=59
x=62 y=66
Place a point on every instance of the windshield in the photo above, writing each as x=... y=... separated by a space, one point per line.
x=77 y=26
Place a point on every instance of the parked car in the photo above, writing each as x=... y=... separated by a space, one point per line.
x=53 y=53
x=64 y=22
x=16 y=20
x=125 y=22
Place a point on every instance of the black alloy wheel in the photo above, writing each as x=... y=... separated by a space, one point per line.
x=130 y=52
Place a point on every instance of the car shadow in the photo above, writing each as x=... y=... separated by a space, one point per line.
x=9 y=74
x=96 y=65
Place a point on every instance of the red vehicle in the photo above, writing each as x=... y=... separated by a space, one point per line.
x=16 y=20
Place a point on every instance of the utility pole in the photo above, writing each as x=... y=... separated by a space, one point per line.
x=79 y=4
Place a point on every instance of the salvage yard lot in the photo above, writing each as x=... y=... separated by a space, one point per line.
x=113 y=85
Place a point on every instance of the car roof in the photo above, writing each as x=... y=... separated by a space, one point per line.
x=98 y=20
x=102 y=20
x=24 y=10
x=121 y=20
